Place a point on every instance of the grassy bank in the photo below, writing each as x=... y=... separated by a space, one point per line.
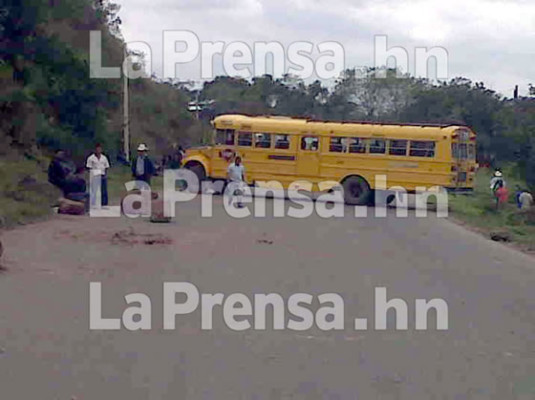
x=25 y=194
x=118 y=176
x=479 y=211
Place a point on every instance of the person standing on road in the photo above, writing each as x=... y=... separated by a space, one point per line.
x=142 y=166
x=180 y=156
x=236 y=177
x=98 y=165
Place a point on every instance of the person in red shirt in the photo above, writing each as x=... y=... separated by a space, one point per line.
x=502 y=194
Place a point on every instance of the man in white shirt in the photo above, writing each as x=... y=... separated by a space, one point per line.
x=236 y=176
x=98 y=164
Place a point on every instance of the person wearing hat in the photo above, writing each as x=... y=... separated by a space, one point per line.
x=142 y=166
x=496 y=180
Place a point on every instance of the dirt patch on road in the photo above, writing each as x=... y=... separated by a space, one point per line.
x=122 y=237
x=130 y=237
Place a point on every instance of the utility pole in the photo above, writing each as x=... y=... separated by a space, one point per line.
x=197 y=106
x=126 y=120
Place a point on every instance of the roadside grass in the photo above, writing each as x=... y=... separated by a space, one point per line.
x=25 y=194
x=119 y=175
x=479 y=211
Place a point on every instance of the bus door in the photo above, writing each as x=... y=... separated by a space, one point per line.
x=223 y=152
x=461 y=153
x=308 y=162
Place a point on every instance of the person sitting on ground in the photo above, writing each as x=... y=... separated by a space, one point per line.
x=62 y=173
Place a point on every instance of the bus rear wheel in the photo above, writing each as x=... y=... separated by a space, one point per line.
x=357 y=191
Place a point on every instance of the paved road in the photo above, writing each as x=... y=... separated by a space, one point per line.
x=48 y=352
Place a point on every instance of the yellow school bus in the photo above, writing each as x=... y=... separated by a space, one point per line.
x=351 y=153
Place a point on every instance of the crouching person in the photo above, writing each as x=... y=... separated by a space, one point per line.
x=63 y=173
x=524 y=199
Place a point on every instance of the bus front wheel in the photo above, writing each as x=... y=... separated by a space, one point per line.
x=198 y=170
x=357 y=191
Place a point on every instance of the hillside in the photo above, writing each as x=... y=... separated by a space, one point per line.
x=49 y=101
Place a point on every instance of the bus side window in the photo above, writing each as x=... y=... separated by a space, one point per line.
x=420 y=148
x=377 y=146
x=338 y=145
x=282 y=142
x=398 y=148
x=310 y=143
x=245 y=139
x=262 y=140
x=357 y=145
x=225 y=137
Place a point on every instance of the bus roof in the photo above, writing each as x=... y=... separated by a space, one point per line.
x=290 y=125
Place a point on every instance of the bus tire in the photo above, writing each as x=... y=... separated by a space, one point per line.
x=357 y=191
x=198 y=169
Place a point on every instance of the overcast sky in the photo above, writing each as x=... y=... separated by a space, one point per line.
x=487 y=40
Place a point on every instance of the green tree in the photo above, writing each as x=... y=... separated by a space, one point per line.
x=365 y=95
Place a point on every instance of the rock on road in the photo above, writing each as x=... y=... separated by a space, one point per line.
x=48 y=352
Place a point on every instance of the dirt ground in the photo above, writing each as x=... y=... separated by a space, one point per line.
x=47 y=350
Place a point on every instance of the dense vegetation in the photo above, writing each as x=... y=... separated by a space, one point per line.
x=47 y=97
